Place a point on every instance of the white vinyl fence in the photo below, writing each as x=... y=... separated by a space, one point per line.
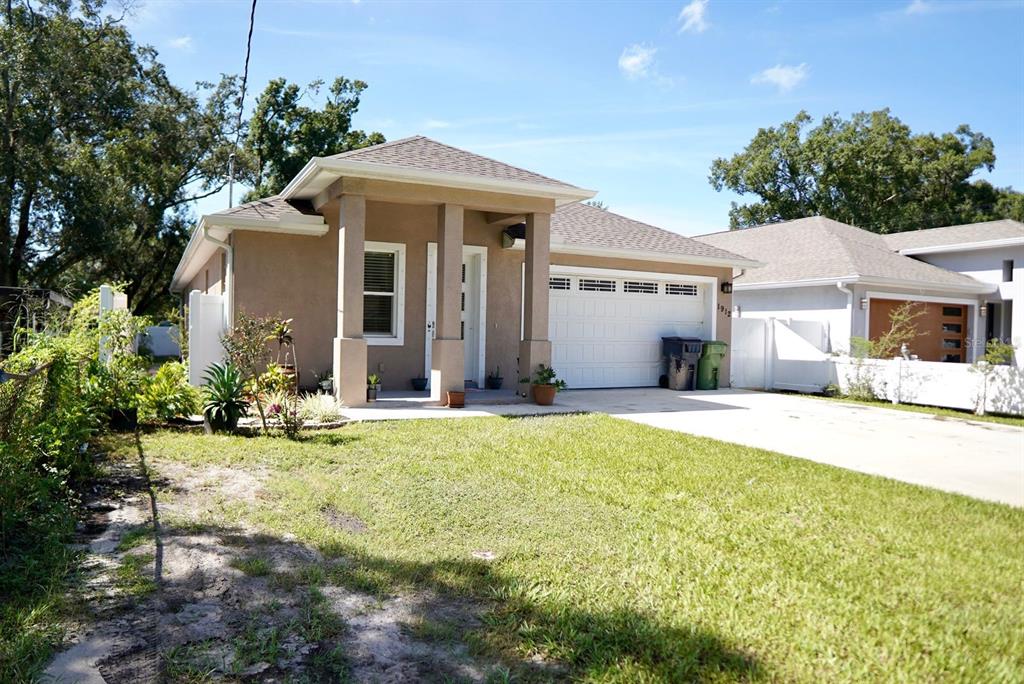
x=952 y=385
x=768 y=353
x=789 y=355
x=206 y=324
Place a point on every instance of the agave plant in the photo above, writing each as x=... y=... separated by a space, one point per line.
x=223 y=402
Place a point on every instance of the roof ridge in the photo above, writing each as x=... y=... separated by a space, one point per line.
x=492 y=159
x=386 y=143
x=761 y=225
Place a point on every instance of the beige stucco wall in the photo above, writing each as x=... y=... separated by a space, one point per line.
x=209 y=279
x=295 y=277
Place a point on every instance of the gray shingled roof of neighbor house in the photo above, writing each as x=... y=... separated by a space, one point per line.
x=967 y=233
x=424 y=154
x=818 y=248
x=581 y=225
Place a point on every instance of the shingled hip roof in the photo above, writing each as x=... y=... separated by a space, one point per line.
x=956 y=238
x=818 y=249
x=583 y=228
x=419 y=159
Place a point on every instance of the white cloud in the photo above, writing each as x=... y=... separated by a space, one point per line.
x=436 y=123
x=918 y=7
x=183 y=43
x=783 y=77
x=637 y=61
x=693 y=17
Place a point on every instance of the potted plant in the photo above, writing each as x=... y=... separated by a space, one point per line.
x=372 y=387
x=325 y=381
x=223 y=398
x=494 y=380
x=544 y=385
x=419 y=384
x=456 y=398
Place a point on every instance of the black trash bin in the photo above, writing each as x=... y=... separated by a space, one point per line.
x=682 y=355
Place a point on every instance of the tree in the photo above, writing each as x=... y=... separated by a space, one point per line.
x=100 y=155
x=284 y=134
x=870 y=171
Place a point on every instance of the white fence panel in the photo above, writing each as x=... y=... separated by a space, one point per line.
x=747 y=364
x=796 y=363
x=205 y=328
x=950 y=385
x=774 y=354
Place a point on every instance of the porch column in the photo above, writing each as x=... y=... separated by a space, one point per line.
x=447 y=367
x=535 y=347
x=349 y=345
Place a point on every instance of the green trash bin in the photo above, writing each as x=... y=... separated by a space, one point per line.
x=710 y=362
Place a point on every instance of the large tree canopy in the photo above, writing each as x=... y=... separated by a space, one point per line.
x=870 y=171
x=100 y=155
x=284 y=134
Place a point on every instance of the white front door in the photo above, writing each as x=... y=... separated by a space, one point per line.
x=606 y=327
x=473 y=310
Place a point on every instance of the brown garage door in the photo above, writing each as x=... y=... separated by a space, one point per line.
x=942 y=328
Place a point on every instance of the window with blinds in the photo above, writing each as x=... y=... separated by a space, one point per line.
x=379 y=293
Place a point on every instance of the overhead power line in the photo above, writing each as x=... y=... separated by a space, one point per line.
x=241 y=105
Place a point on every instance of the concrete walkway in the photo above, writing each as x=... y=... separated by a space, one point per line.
x=983 y=460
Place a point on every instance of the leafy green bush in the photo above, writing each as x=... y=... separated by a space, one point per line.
x=168 y=395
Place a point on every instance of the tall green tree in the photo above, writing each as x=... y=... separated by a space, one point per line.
x=100 y=155
x=870 y=171
x=284 y=134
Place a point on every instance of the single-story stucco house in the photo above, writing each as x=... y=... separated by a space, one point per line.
x=849 y=280
x=417 y=259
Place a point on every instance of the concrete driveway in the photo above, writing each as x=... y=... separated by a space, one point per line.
x=982 y=460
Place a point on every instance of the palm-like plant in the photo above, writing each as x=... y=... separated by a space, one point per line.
x=223 y=403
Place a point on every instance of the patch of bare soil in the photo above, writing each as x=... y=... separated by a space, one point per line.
x=194 y=602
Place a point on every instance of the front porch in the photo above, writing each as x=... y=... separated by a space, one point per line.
x=466 y=328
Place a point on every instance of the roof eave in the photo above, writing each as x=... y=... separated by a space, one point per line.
x=299 y=187
x=964 y=246
x=960 y=288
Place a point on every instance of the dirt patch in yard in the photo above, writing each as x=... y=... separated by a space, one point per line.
x=166 y=596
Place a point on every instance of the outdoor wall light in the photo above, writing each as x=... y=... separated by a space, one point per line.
x=726 y=288
x=863 y=302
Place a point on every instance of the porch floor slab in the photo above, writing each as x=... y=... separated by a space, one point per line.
x=392 y=405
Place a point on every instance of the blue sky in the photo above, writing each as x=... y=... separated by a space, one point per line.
x=631 y=99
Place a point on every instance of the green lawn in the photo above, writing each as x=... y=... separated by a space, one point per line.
x=629 y=553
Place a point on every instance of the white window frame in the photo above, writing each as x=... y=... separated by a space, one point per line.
x=398 y=310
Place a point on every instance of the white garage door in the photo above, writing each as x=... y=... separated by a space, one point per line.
x=606 y=330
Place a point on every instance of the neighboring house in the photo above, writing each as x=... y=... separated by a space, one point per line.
x=413 y=258
x=847 y=281
x=991 y=252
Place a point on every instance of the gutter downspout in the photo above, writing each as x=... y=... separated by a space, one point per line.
x=229 y=277
x=841 y=286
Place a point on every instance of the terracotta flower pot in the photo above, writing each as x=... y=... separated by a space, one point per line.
x=544 y=395
x=456 y=399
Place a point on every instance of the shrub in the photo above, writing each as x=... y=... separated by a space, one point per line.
x=320 y=408
x=168 y=395
x=223 y=396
